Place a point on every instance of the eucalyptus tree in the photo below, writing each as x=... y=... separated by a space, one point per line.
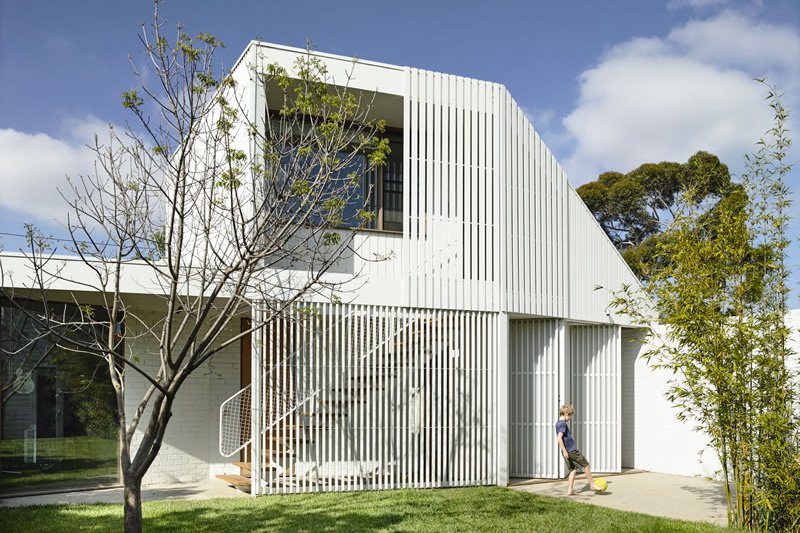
x=635 y=208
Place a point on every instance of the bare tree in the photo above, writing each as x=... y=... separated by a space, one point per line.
x=221 y=208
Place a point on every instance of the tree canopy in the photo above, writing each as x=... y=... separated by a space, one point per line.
x=634 y=209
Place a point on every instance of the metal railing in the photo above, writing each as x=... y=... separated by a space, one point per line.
x=234 y=422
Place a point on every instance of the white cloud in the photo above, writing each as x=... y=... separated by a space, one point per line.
x=549 y=127
x=732 y=39
x=34 y=166
x=654 y=99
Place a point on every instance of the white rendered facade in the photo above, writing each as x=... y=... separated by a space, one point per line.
x=447 y=365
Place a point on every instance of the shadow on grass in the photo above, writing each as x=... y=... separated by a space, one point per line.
x=403 y=510
x=196 y=517
x=456 y=510
x=281 y=519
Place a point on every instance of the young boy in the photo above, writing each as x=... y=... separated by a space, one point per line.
x=569 y=450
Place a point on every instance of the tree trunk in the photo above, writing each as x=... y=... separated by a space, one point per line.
x=133 y=505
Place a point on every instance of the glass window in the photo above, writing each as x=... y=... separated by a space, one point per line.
x=58 y=418
x=384 y=186
x=392 y=216
x=358 y=196
x=379 y=190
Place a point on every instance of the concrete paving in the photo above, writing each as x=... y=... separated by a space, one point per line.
x=201 y=490
x=686 y=498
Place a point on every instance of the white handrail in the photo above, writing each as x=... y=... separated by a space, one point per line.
x=234 y=422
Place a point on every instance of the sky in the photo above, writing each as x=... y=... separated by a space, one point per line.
x=609 y=85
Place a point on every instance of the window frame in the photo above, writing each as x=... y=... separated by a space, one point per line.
x=395 y=136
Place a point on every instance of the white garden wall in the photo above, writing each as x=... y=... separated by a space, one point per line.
x=653 y=438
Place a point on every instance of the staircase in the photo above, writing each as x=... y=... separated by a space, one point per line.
x=279 y=449
x=240 y=481
x=235 y=430
x=293 y=418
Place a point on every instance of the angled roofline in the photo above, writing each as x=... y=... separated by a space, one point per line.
x=264 y=44
x=597 y=223
x=296 y=50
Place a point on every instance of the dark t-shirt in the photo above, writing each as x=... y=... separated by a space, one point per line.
x=562 y=427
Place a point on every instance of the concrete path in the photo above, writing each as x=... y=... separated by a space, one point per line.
x=201 y=490
x=686 y=498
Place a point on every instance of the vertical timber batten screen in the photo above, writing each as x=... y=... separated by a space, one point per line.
x=357 y=397
x=589 y=245
x=451 y=200
x=535 y=347
x=596 y=360
x=536 y=227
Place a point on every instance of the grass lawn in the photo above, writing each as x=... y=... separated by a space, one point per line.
x=461 y=510
x=70 y=461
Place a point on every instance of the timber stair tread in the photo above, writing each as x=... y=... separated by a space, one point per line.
x=246 y=468
x=240 y=482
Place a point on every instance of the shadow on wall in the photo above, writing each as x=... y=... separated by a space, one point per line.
x=631 y=348
x=304 y=246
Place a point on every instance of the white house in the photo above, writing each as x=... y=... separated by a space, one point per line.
x=448 y=364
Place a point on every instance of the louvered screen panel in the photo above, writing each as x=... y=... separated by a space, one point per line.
x=534 y=350
x=595 y=360
x=355 y=397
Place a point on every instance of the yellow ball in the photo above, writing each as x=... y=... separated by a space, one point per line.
x=601 y=483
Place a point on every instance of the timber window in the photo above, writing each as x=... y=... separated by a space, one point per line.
x=384 y=190
x=378 y=191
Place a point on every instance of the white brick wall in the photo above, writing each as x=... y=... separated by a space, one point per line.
x=189 y=451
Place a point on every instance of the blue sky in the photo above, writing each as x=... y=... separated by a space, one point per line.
x=609 y=85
